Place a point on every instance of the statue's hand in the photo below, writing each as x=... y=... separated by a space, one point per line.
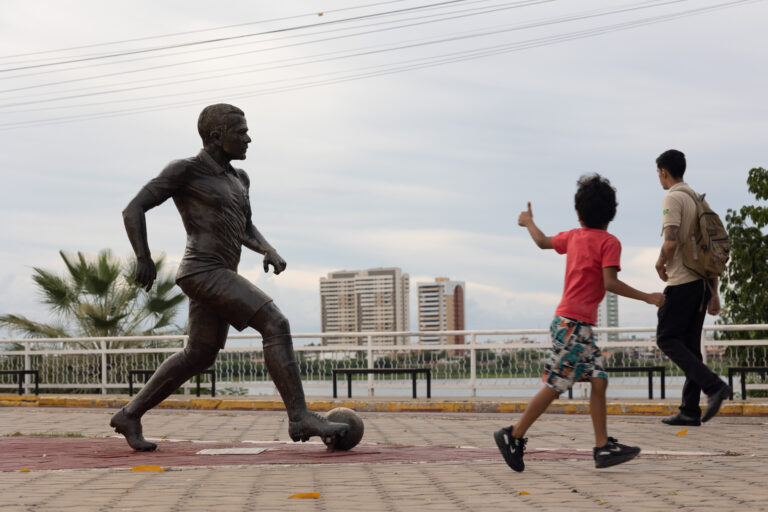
x=272 y=258
x=145 y=272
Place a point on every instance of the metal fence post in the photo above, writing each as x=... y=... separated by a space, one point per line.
x=186 y=386
x=370 y=365
x=703 y=347
x=27 y=365
x=103 y=367
x=473 y=364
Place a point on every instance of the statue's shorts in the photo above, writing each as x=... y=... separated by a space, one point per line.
x=217 y=299
x=575 y=355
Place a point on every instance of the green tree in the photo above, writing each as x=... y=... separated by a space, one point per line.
x=743 y=285
x=98 y=297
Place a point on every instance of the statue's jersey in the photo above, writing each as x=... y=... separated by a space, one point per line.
x=214 y=206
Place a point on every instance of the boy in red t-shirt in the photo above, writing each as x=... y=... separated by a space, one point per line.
x=591 y=265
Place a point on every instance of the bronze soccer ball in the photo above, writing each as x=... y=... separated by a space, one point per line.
x=355 y=432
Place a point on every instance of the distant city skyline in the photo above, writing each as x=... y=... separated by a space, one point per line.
x=370 y=300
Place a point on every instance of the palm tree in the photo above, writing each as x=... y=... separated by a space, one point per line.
x=97 y=297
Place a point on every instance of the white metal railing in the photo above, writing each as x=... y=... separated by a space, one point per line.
x=500 y=362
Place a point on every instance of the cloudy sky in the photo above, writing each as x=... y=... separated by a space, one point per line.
x=400 y=133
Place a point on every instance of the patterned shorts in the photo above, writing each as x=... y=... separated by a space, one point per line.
x=574 y=355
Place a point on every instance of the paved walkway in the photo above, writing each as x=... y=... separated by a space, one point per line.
x=721 y=465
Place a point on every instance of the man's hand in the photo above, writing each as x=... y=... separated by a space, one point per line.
x=661 y=268
x=713 y=307
x=272 y=258
x=145 y=272
x=526 y=217
x=656 y=299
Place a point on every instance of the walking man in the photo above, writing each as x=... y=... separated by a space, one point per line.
x=212 y=199
x=688 y=299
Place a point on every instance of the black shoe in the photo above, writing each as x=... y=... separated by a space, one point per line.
x=714 y=402
x=613 y=453
x=682 y=419
x=512 y=448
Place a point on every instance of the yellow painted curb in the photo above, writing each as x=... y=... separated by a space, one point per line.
x=204 y=403
x=731 y=409
x=737 y=408
x=17 y=401
x=649 y=409
x=509 y=407
x=250 y=405
x=175 y=403
x=83 y=402
x=418 y=407
x=52 y=401
x=755 y=410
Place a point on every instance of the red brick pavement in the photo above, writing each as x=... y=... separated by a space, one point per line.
x=47 y=453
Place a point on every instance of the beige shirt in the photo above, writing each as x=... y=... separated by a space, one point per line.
x=679 y=210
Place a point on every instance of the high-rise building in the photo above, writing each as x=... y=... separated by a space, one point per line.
x=373 y=300
x=608 y=316
x=441 y=308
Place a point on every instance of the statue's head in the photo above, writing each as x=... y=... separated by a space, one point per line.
x=223 y=128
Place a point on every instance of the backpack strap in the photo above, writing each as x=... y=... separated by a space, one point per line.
x=690 y=193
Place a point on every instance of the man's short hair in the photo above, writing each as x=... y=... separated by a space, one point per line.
x=215 y=117
x=595 y=201
x=672 y=161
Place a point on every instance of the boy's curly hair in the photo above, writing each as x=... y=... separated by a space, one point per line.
x=595 y=201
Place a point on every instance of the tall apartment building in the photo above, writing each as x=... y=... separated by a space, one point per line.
x=608 y=316
x=441 y=308
x=373 y=300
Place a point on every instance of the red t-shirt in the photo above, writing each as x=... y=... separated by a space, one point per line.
x=588 y=252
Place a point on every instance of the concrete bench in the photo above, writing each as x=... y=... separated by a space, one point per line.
x=382 y=371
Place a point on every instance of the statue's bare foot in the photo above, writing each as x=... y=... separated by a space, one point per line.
x=131 y=428
x=314 y=424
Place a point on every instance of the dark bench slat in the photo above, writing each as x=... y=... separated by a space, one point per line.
x=743 y=370
x=379 y=371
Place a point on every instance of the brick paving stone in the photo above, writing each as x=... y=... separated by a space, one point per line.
x=733 y=482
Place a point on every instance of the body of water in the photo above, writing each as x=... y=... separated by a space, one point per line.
x=618 y=387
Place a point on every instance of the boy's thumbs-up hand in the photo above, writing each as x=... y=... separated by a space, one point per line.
x=526 y=216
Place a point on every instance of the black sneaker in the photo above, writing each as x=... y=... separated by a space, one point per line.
x=613 y=453
x=512 y=448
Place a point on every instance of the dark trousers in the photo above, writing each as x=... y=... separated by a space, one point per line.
x=678 y=335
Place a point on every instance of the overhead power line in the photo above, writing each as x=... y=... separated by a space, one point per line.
x=402 y=67
x=591 y=14
x=229 y=38
x=281 y=64
x=443 y=16
x=199 y=31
